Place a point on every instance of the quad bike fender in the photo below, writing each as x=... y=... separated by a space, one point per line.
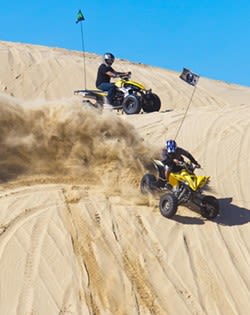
x=158 y=164
x=193 y=181
x=121 y=83
x=202 y=181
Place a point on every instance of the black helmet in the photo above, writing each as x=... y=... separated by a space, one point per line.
x=108 y=58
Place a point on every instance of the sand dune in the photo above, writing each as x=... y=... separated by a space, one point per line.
x=76 y=235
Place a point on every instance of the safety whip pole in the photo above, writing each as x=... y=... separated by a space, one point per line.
x=80 y=18
x=185 y=113
x=84 y=64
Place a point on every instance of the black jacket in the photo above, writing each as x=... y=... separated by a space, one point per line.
x=101 y=74
x=168 y=158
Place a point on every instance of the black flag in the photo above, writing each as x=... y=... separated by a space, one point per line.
x=189 y=77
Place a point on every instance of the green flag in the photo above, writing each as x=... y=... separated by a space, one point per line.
x=79 y=17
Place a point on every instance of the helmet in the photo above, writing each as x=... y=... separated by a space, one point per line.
x=108 y=58
x=170 y=146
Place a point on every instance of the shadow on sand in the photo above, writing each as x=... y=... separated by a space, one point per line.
x=188 y=220
x=166 y=111
x=230 y=215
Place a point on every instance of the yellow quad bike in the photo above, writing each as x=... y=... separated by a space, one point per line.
x=184 y=187
x=129 y=96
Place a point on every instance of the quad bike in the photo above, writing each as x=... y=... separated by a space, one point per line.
x=130 y=96
x=183 y=187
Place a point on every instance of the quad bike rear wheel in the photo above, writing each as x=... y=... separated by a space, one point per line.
x=168 y=205
x=148 y=183
x=151 y=103
x=131 y=104
x=209 y=207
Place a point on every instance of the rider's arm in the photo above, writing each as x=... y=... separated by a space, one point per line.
x=114 y=74
x=111 y=74
x=187 y=155
x=122 y=73
x=107 y=70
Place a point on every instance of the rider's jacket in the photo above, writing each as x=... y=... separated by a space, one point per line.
x=168 y=158
x=102 y=77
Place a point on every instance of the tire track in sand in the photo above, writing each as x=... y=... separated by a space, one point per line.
x=9 y=229
x=25 y=304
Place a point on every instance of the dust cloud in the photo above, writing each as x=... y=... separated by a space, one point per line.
x=64 y=139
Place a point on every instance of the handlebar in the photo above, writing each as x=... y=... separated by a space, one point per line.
x=125 y=75
x=187 y=166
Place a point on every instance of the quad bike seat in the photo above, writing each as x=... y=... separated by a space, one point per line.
x=90 y=92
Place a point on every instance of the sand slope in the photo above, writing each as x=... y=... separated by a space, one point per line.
x=76 y=235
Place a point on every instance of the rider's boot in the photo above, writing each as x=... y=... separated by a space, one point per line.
x=168 y=186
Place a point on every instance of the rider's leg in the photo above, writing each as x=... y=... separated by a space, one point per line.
x=107 y=87
x=111 y=93
x=167 y=172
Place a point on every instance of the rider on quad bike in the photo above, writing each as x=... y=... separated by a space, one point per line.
x=172 y=156
x=183 y=186
x=105 y=73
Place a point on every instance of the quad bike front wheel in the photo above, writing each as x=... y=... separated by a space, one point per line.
x=168 y=205
x=209 y=207
x=148 y=183
x=131 y=104
x=151 y=103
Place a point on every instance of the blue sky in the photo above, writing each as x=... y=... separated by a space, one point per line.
x=210 y=37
